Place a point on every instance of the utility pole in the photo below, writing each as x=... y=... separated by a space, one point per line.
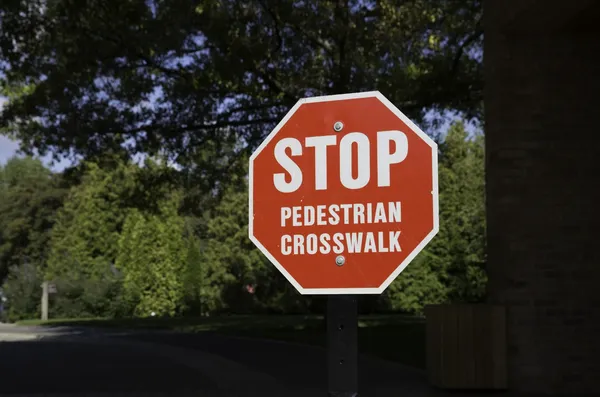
x=45 y=301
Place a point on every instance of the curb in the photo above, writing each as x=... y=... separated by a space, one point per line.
x=17 y=337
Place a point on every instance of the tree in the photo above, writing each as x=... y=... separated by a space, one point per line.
x=85 y=238
x=154 y=76
x=86 y=234
x=30 y=195
x=201 y=83
x=452 y=266
x=232 y=263
x=192 y=275
x=23 y=292
x=229 y=255
x=152 y=257
x=420 y=284
x=461 y=240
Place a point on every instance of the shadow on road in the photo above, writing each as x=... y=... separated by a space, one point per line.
x=296 y=367
x=74 y=361
x=70 y=363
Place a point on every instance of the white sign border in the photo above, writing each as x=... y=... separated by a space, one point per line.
x=409 y=258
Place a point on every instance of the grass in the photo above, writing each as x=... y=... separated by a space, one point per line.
x=398 y=338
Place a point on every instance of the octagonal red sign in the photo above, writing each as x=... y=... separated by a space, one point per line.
x=343 y=194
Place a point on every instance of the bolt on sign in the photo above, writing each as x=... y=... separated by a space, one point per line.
x=343 y=194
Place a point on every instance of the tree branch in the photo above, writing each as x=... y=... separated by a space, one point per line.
x=316 y=40
x=468 y=41
x=208 y=127
x=276 y=24
x=342 y=80
x=245 y=108
x=274 y=85
x=118 y=41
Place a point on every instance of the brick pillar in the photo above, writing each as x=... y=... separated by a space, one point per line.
x=542 y=115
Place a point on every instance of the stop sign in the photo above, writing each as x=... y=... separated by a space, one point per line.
x=343 y=194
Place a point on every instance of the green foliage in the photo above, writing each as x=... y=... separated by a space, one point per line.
x=229 y=258
x=23 y=292
x=200 y=84
x=122 y=247
x=215 y=67
x=231 y=263
x=192 y=275
x=86 y=233
x=85 y=239
x=152 y=258
x=418 y=285
x=461 y=240
x=78 y=296
x=29 y=197
x=451 y=268
x=84 y=242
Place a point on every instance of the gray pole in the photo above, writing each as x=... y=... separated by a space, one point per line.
x=45 y=301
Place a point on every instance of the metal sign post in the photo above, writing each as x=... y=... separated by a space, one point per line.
x=342 y=346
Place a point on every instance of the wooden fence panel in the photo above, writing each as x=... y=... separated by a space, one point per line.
x=466 y=346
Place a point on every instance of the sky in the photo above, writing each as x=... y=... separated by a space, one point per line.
x=8 y=147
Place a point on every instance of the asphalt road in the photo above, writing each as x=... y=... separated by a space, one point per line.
x=34 y=361
x=295 y=367
x=59 y=367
